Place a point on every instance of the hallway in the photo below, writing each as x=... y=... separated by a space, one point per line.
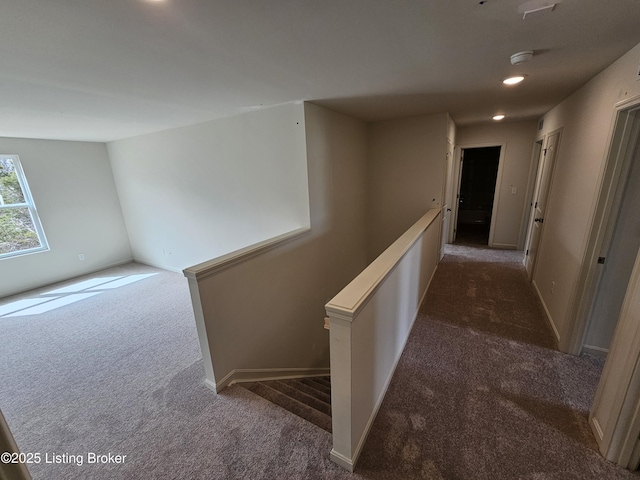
x=481 y=391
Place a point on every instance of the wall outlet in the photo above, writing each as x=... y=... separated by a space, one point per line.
x=514 y=190
x=81 y=256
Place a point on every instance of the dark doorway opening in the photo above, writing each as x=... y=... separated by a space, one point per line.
x=477 y=189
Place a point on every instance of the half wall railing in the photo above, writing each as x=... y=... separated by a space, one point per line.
x=255 y=309
x=370 y=321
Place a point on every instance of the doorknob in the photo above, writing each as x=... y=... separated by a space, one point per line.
x=448 y=209
x=539 y=220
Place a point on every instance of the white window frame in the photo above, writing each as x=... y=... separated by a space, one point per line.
x=28 y=203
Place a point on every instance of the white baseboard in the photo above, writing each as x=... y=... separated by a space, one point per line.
x=341 y=460
x=263 y=375
x=210 y=385
x=504 y=246
x=596 y=429
x=546 y=311
x=156 y=265
x=595 y=351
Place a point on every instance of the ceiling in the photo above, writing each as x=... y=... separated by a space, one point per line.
x=101 y=70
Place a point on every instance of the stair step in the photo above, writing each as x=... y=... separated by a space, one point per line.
x=294 y=406
x=311 y=382
x=294 y=392
x=303 y=387
x=325 y=381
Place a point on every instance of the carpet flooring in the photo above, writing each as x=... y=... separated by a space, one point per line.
x=480 y=391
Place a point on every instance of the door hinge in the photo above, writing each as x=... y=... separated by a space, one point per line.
x=536 y=205
x=527 y=254
x=545 y=152
x=601 y=260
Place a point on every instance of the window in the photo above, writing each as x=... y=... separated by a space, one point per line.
x=20 y=228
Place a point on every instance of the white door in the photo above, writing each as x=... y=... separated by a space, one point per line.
x=448 y=199
x=539 y=204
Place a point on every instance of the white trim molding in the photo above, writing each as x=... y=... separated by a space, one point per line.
x=263 y=375
x=211 y=267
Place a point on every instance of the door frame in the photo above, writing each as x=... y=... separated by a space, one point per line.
x=544 y=142
x=572 y=337
x=536 y=154
x=458 y=180
x=615 y=415
x=447 y=197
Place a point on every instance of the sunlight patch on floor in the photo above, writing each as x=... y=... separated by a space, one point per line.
x=63 y=296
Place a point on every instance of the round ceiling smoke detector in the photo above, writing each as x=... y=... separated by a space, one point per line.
x=521 y=57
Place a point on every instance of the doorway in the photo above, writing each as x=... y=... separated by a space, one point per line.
x=612 y=294
x=476 y=194
x=540 y=197
x=617 y=256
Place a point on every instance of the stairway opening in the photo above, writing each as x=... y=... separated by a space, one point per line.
x=308 y=398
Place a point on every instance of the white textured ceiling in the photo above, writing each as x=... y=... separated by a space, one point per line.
x=101 y=70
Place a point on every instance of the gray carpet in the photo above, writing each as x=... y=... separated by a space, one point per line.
x=479 y=393
x=122 y=373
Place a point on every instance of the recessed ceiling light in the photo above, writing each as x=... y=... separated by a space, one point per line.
x=498 y=117
x=513 y=80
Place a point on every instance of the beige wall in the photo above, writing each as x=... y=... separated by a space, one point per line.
x=194 y=193
x=586 y=121
x=74 y=191
x=518 y=139
x=407 y=159
x=266 y=313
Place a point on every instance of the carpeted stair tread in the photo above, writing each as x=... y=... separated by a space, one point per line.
x=312 y=383
x=307 y=399
x=326 y=381
x=303 y=387
x=292 y=405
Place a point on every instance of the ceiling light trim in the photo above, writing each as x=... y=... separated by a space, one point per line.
x=514 y=80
